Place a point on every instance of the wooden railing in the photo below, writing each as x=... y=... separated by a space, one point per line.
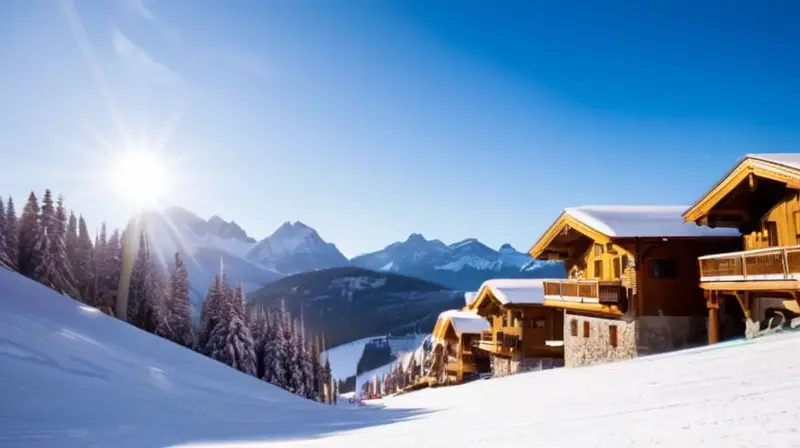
x=774 y=263
x=585 y=290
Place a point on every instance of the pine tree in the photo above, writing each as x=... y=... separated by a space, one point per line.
x=5 y=261
x=84 y=268
x=47 y=270
x=327 y=377
x=145 y=302
x=316 y=368
x=257 y=321
x=28 y=234
x=231 y=342
x=11 y=231
x=291 y=359
x=58 y=246
x=274 y=351
x=177 y=322
x=108 y=258
x=72 y=245
x=210 y=313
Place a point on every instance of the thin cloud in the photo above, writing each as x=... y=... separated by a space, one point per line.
x=147 y=14
x=142 y=62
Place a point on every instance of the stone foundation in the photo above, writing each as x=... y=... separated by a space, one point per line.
x=509 y=366
x=643 y=336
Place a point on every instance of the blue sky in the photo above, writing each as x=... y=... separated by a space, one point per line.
x=372 y=120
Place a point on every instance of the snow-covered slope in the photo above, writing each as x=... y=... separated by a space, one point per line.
x=73 y=377
x=463 y=265
x=733 y=394
x=204 y=245
x=295 y=248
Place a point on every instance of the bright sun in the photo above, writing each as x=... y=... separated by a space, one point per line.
x=140 y=176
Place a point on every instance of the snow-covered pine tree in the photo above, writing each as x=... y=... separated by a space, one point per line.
x=5 y=261
x=316 y=369
x=11 y=230
x=327 y=378
x=303 y=375
x=84 y=268
x=210 y=313
x=231 y=342
x=145 y=304
x=58 y=246
x=257 y=321
x=291 y=360
x=47 y=271
x=274 y=350
x=109 y=266
x=27 y=237
x=71 y=241
x=177 y=321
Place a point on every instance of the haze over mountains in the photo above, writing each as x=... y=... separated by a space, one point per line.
x=296 y=248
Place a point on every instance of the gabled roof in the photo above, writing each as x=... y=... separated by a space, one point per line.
x=462 y=322
x=602 y=223
x=529 y=291
x=779 y=167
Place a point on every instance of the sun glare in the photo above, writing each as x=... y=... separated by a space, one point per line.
x=140 y=176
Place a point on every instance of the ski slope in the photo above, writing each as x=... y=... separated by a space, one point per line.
x=71 y=377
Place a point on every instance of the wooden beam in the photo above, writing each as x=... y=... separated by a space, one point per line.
x=713 y=316
x=755 y=285
x=751 y=182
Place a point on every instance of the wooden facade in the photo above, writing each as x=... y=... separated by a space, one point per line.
x=746 y=290
x=456 y=358
x=522 y=335
x=627 y=278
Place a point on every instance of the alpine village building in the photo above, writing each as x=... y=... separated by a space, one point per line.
x=641 y=280
x=757 y=288
x=524 y=335
x=632 y=279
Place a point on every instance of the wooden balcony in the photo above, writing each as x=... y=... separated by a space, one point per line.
x=585 y=291
x=774 y=263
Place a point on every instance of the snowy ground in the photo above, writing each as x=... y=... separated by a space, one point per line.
x=72 y=377
x=344 y=358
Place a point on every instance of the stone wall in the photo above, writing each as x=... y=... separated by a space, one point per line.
x=643 y=336
x=596 y=348
x=508 y=366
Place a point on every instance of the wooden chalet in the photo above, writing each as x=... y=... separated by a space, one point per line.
x=454 y=335
x=757 y=287
x=524 y=335
x=632 y=285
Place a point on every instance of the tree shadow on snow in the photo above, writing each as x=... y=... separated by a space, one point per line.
x=288 y=426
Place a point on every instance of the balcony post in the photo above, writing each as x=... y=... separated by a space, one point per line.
x=713 y=316
x=744 y=267
x=784 y=264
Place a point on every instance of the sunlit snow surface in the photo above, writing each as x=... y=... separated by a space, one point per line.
x=72 y=377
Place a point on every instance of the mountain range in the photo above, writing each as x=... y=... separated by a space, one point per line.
x=294 y=248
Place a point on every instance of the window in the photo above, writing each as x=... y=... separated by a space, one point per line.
x=598 y=249
x=539 y=323
x=573 y=327
x=771 y=228
x=598 y=268
x=617 y=268
x=585 y=329
x=612 y=336
x=663 y=268
x=797 y=226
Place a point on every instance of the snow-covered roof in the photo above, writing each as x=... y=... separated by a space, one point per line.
x=643 y=221
x=470 y=296
x=791 y=160
x=465 y=321
x=514 y=290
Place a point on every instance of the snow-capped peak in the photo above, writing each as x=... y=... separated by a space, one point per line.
x=296 y=247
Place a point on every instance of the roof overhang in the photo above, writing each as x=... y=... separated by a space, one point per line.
x=745 y=170
x=561 y=224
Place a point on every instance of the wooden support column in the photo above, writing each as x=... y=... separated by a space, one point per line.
x=712 y=302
